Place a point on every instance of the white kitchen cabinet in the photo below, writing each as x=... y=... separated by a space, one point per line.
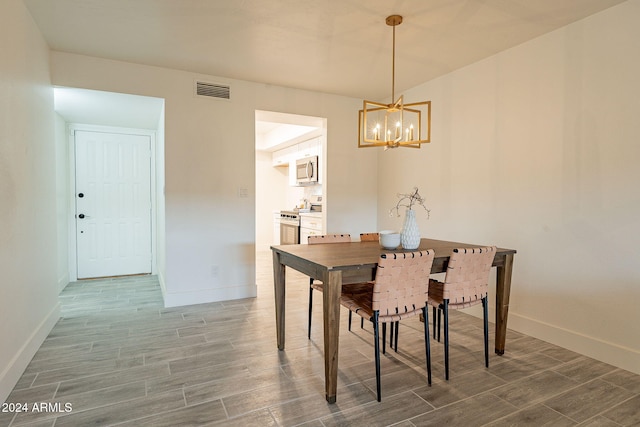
x=310 y=224
x=309 y=148
x=298 y=151
x=284 y=156
x=276 y=228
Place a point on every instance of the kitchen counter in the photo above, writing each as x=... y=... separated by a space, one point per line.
x=311 y=214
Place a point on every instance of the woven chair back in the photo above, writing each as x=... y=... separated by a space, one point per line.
x=328 y=238
x=369 y=237
x=467 y=278
x=402 y=282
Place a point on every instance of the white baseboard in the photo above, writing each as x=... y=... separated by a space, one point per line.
x=209 y=295
x=12 y=373
x=63 y=282
x=611 y=353
x=607 y=352
x=163 y=286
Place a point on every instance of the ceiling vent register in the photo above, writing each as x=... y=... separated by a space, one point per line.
x=213 y=90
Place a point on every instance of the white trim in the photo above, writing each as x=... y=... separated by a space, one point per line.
x=63 y=281
x=604 y=351
x=209 y=295
x=71 y=129
x=608 y=352
x=163 y=286
x=12 y=373
x=73 y=268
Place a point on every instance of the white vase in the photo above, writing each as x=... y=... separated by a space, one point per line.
x=410 y=237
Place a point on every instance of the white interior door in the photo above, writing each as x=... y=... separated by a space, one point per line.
x=113 y=204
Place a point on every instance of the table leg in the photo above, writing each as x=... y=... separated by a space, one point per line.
x=279 y=292
x=331 y=318
x=503 y=291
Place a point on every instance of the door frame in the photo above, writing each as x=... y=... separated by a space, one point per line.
x=71 y=130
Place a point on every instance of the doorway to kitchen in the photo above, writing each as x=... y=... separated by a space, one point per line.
x=283 y=140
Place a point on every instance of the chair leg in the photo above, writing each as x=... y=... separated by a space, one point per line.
x=310 y=309
x=445 y=309
x=397 y=330
x=485 y=311
x=393 y=332
x=439 y=322
x=350 y=312
x=376 y=345
x=427 y=347
x=384 y=338
x=434 y=323
x=362 y=323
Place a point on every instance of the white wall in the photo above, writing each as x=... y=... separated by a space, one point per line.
x=536 y=149
x=352 y=185
x=271 y=192
x=28 y=293
x=210 y=154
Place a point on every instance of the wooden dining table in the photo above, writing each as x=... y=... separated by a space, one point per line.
x=342 y=263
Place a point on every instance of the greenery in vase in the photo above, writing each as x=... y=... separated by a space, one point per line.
x=408 y=200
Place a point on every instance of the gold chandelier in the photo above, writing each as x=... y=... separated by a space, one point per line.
x=396 y=124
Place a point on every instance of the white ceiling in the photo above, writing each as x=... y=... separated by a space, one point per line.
x=94 y=107
x=275 y=130
x=333 y=46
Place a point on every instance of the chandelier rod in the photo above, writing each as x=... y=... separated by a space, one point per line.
x=393 y=67
x=393 y=21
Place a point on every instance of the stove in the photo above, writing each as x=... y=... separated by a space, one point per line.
x=289 y=228
x=290 y=217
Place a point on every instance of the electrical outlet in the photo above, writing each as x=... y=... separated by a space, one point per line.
x=215 y=271
x=243 y=192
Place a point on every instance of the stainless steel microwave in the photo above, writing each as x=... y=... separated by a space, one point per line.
x=307 y=170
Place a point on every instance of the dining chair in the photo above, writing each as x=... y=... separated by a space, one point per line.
x=465 y=284
x=400 y=291
x=375 y=237
x=315 y=239
x=369 y=237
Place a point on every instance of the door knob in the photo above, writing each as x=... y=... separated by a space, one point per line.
x=81 y=216
x=81 y=195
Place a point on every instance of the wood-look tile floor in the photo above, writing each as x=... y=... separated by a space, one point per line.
x=118 y=357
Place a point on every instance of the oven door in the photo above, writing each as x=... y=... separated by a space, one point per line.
x=289 y=233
